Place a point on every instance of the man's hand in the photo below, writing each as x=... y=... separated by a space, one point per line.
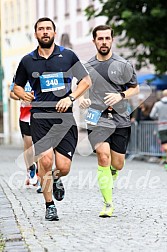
x=63 y=105
x=85 y=103
x=112 y=98
x=28 y=96
x=24 y=96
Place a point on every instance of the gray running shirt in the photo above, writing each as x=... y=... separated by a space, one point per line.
x=114 y=75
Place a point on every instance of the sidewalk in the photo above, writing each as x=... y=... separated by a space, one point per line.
x=139 y=222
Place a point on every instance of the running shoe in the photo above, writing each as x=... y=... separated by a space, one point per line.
x=114 y=173
x=39 y=188
x=58 y=189
x=51 y=213
x=107 y=210
x=32 y=175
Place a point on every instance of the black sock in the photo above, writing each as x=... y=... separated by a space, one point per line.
x=49 y=203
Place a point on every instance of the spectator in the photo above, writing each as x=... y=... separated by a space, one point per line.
x=159 y=112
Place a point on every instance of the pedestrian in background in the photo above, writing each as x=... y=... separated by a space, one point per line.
x=50 y=70
x=159 y=112
x=108 y=121
x=24 y=123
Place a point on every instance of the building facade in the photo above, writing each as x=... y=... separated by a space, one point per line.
x=17 y=39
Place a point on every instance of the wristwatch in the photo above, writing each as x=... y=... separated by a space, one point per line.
x=71 y=98
x=123 y=95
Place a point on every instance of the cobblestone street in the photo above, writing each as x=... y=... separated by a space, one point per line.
x=139 y=222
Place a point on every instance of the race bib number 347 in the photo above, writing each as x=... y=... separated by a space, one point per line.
x=52 y=82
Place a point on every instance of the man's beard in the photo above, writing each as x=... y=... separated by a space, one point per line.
x=45 y=44
x=104 y=53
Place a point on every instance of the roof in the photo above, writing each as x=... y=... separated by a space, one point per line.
x=160 y=82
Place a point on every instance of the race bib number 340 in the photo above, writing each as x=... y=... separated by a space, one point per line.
x=52 y=82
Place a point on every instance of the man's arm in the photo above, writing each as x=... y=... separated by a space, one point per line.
x=84 y=102
x=13 y=96
x=154 y=112
x=113 y=98
x=65 y=103
x=131 y=92
x=20 y=92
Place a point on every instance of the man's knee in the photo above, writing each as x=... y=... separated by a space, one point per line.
x=103 y=159
x=117 y=164
x=46 y=163
x=63 y=166
x=63 y=170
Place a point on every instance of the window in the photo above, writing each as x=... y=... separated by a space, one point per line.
x=6 y=8
x=79 y=29
x=79 y=8
x=37 y=9
x=12 y=20
x=66 y=8
x=26 y=7
x=18 y=16
x=55 y=5
x=46 y=8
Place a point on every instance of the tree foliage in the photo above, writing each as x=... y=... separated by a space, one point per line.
x=141 y=26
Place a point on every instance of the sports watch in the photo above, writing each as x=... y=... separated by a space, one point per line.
x=71 y=98
x=123 y=95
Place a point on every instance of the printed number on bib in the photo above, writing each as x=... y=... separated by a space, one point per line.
x=92 y=116
x=52 y=82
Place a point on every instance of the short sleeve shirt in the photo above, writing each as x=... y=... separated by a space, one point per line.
x=62 y=61
x=111 y=76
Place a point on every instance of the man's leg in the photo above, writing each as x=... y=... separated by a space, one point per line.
x=164 y=147
x=105 y=179
x=63 y=158
x=31 y=177
x=29 y=161
x=45 y=163
x=118 y=145
x=117 y=163
x=62 y=169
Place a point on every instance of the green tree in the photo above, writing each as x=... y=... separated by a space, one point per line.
x=141 y=26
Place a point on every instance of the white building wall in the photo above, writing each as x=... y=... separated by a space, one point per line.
x=17 y=18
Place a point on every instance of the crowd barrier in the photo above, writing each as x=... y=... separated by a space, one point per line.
x=144 y=140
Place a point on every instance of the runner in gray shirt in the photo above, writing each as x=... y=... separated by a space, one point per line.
x=108 y=117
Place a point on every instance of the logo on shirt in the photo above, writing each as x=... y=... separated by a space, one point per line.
x=113 y=72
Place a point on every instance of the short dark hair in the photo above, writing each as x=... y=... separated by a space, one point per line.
x=102 y=28
x=42 y=20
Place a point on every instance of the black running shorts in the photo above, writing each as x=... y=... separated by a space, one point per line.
x=163 y=136
x=56 y=130
x=25 y=128
x=118 y=138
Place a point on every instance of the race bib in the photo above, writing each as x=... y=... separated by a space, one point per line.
x=27 y=87
x=52 y=82
x=92 y=116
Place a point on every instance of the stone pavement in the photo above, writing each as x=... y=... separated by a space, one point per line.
x=139 y=222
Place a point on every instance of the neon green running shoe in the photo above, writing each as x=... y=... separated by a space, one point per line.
x=107 y=210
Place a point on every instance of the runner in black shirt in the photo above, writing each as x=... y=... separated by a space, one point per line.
x=50 y=70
